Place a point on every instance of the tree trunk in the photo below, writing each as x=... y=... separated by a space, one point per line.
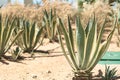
x=28 y=2
x=111 y=1
x=86 y=78
x=9 y=0
x=83 y=76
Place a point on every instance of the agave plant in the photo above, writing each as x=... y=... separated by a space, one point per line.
x=110 y=74
x=32 y=35
x=16 y=53
x=90 y=49
x=50 y=24
x=6 y=34
x=118 y=27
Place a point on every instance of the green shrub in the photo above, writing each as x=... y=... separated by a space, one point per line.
x=118 y=28
x=16 y=53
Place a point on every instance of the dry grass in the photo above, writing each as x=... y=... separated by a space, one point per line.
x=35 y=13
x=101 y=11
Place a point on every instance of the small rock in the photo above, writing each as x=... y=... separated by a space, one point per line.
x=67 y=76
x=27 y=73
x=49 y=71
x=53 y=79
x=34 y=76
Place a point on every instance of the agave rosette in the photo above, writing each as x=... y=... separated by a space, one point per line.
x=88 y=42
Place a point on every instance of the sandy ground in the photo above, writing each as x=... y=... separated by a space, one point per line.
x=51 y=66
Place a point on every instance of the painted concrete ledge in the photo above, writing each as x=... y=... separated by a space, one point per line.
x=110 y=58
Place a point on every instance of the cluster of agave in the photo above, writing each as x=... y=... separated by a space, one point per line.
x=6 y=34
x=26 y=35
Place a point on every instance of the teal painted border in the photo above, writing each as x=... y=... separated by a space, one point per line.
x=110 y=58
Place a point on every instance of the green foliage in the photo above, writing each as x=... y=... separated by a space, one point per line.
x=118 y=27
x=6 y=34
x=118 y=1
x=32 y=35
x=90 y=49
x=50 y=24
x=81 y=2
x=109 y=73
x=16 y=53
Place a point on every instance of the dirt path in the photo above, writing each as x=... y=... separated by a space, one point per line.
x=51 y=66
